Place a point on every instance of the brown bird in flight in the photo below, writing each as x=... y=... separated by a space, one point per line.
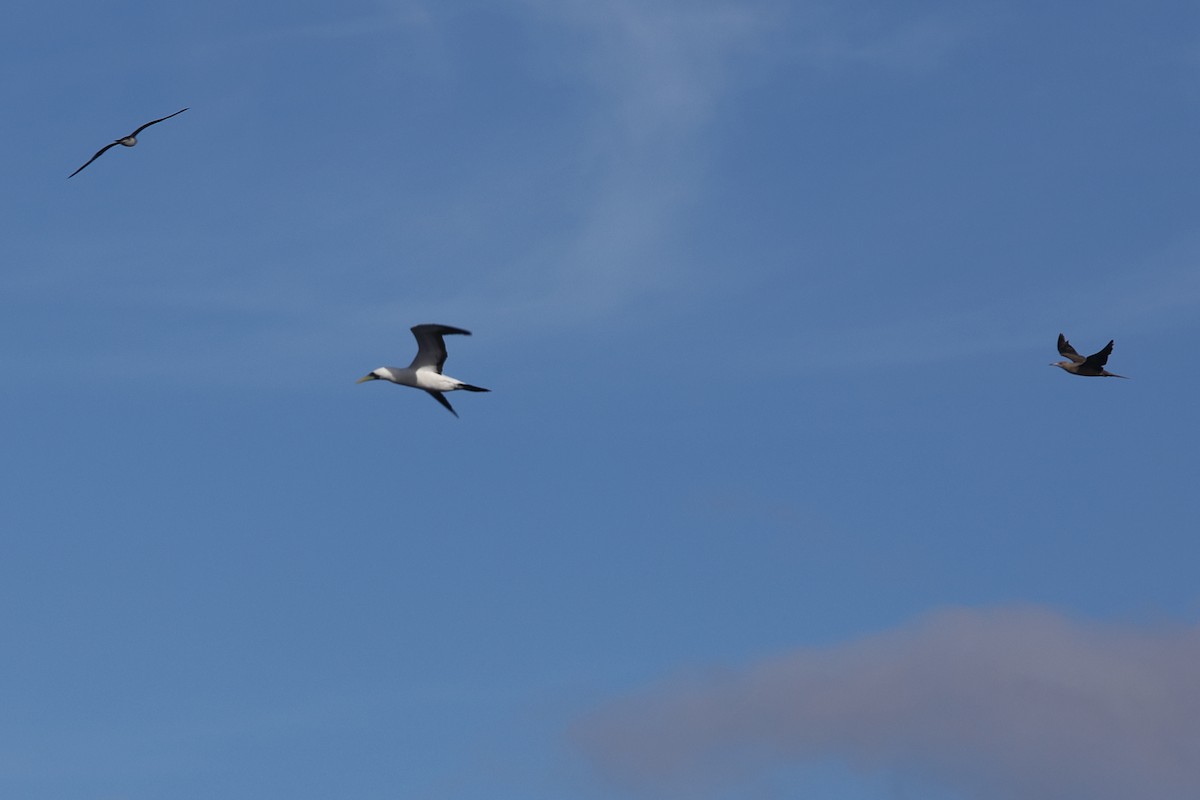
x=127 y=141
x=1092 y=366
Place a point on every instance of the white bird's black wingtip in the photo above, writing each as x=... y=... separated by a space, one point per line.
x=441 y=398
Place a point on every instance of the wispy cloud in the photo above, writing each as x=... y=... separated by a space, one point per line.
x=387 y=18
x=999 y=705
x=601 y=220
x=1162 y=286
x=659 y=72
x=1156 y=294
x=656 y=71
x=835 y=36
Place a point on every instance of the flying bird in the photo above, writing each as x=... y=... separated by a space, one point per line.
x=425 y=371
x=127 y=141
x=1092 y=366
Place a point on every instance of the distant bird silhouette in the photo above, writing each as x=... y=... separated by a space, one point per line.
x=425 y=371
x=128 y=141
x=1092 y=366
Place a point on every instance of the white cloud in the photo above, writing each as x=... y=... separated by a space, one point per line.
x=998 y=705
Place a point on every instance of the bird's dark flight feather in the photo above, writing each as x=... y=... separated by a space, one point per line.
x=1066 y=351
x=99 y=153
x=133 y=135
x=156 y=121
x=441 y=398
x=431 y=348
x=1099 y=359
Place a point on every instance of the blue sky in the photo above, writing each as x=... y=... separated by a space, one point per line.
x=774 y=495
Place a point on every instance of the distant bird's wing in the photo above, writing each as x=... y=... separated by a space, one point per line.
x=441 y=398
x=156 y=121
x=99 y=153
x=431 y=348
x=1098 y=360
x=1066 y=351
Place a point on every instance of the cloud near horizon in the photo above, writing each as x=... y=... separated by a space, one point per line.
x=997 y=705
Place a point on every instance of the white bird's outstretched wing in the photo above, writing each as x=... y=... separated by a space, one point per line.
x=431 y=348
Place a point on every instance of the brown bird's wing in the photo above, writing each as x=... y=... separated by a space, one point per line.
x=99 y=153
x=1098 y=360
x=156 y=121
x=431 y=348
x=1066 y=351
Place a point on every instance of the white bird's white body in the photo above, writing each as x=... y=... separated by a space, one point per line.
x=425 y=372
x=421 y=378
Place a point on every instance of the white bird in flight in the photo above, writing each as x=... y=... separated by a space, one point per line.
x=127 y=141
x=425 y=371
